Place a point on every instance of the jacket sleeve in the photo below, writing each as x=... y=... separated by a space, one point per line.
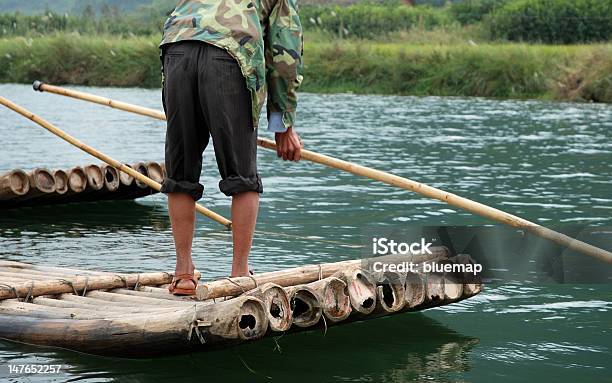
x=283 y=52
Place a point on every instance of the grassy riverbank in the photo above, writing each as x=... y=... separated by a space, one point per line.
x=580 y=72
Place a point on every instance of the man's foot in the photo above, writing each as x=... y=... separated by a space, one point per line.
x=183 y=284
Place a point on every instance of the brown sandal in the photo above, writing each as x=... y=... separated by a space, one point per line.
x=183 y=277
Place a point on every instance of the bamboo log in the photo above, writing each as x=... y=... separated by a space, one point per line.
x=41 y=182
x=138 y=298
x=125 y=178
x=306 y=307
x=45 y=311
x=111 y=179
x=301 y=275
x=414 y=290
x=141 y=168
x=96 y=307
x=77 y=180
x=335 y=300
x=276 y=302
x=377 y=175
x=95 y=178
x=83 y=282
x=61 y=181
x=361 y=289
x=118 y=165
x=390 y=292
x=155 y=171
x=14 y=184
x=181 y=331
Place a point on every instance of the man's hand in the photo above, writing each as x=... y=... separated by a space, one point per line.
x=289 y=145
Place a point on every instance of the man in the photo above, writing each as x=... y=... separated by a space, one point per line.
x=219 y=59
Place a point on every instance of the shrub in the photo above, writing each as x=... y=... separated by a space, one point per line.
x=473 y=11
x=553 y=21
x=367 y=20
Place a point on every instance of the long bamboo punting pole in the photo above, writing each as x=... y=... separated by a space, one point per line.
x=103 y=157
x=14 y=184
x=377 y=175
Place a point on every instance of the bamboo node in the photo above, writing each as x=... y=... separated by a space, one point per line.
x=137 y=284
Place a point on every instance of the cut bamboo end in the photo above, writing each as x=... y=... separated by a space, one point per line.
x=362 y=290
x=453 y=283
x=41 y=181
x=126 y=179
x=77 y=180
x=277 y=305
x=111 y=178
x=155 y=171
x=472 y=283
x=13 y=184
x=252 y=320
x=414 y=290
x=390 y=293
x=434 y=284
x=334 y=298
x=141 y=168
x=61 y=181
x=306 y=307
x=95 y=179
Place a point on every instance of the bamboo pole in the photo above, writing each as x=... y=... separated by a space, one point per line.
x=103 y=157
x=77 y=180
x=14 y=184
x=142 y=169
x=276 y=302
x=61 y=181
x=301 y=275
x=80 y=283
x=111 y=179
x=390 y=292
x=377 y=175
x=41 y=183
x=361 y=289
x=95 y=179
x=414 y=288
x=335 y=300
x=155 y=171
x=306 y=307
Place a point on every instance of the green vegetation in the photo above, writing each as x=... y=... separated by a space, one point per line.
x=553 y=21
x=537 y=21
x=462 y=48
x=508 y=71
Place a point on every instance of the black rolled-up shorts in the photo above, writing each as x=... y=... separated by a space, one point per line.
x=204 y=95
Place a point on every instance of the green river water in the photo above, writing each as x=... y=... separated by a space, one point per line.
x=547 y=162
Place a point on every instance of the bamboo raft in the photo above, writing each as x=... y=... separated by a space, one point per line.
x=133 y=315
x=19 y=188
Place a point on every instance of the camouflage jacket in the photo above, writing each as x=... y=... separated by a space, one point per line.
x=264 y=36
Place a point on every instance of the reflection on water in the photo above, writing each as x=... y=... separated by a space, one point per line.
x=547 y=162
x=412 y=347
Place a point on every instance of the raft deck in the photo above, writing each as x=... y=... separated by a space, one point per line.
x=133 y=315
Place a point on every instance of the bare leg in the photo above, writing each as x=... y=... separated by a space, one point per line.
x=244 y=216
x=181 y=207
